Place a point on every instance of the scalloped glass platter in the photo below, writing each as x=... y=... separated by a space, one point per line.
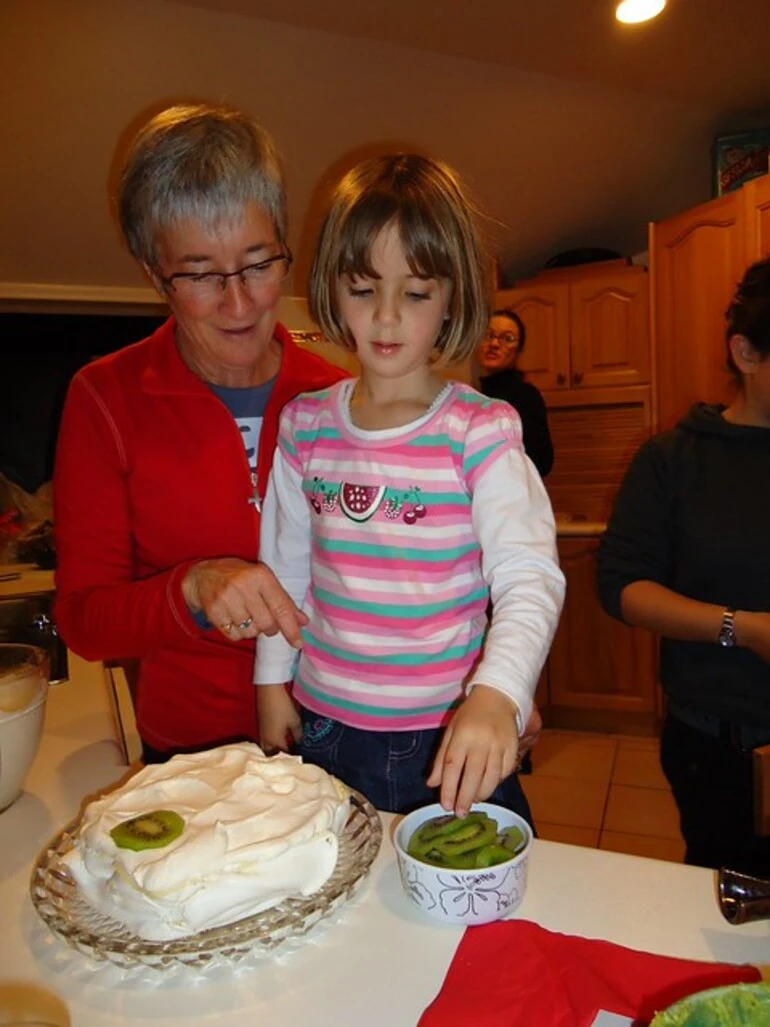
x=58 y=901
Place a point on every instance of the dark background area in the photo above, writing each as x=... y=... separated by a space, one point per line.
x=39 y=354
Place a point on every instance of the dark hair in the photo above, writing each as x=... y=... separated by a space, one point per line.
x=512 y=316
x=749 y=312
x=440 y=234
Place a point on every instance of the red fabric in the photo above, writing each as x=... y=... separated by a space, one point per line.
x=151 y=476
x=517 y=974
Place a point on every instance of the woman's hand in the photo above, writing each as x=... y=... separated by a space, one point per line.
x=278 y=719
x=242 y=599
x=479 y=749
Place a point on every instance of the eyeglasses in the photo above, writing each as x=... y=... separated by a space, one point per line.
x=208 y=285
x=507 y=338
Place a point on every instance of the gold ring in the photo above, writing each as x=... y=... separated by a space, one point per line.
x=227 y=627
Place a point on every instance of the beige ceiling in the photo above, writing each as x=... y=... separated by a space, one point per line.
x=714 y=52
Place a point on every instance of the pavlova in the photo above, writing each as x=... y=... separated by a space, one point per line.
x=207 y=839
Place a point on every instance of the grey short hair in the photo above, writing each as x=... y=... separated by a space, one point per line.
x=202 y=162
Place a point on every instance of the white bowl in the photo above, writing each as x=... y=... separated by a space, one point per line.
x=463 y=896
x=23 y=691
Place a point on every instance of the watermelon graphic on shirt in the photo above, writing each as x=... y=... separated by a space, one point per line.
x=359 y=502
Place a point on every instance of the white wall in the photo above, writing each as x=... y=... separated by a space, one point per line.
x=554 y=164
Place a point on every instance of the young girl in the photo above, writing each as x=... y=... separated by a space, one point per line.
x=398 y=504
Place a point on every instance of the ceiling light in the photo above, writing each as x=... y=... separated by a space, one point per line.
x=631 y=12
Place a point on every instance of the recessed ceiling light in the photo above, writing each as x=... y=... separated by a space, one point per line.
x=631 y=12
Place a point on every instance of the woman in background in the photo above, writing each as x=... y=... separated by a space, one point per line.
x=165 y=447
x=498 y=355
x=687 y=555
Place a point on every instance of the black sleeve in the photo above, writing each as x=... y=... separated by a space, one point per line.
x=638 y=542
x=536 y=436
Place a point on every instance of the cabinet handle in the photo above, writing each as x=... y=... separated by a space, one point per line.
x=561 y=378
x=577 y=377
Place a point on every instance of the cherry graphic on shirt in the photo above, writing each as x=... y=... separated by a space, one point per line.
x=415 y=508
x=314 y=500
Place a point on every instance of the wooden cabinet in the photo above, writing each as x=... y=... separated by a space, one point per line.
x=586 y=327
x=588 y=351
x=595 y=433
x=544 y=309
x=601 y=674
x=696 y=260
x=609 y=335
x=756 y=197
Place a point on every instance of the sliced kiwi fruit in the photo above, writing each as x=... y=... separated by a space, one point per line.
x=473 y=842
x=437 y=828
x=490 y=855
x=472 y=836
x=513 y=839
x=152 y=830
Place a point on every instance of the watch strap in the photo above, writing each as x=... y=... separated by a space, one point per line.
x=727 y=630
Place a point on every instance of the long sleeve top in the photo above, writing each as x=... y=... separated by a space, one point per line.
x=151 y=476
x=394 y=541
x=692 y=514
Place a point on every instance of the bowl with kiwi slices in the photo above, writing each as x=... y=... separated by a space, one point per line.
x=469 y=870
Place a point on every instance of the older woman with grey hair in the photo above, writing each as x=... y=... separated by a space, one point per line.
x=165 y=446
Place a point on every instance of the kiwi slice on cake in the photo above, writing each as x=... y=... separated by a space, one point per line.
x=153 y=830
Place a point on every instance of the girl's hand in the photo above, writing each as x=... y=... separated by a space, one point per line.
x=479 y=749
x=242 y=599
x=278 y=719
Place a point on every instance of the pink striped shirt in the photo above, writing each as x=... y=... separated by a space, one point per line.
x=397 y=599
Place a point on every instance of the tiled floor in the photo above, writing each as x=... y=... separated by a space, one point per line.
x=604 y=791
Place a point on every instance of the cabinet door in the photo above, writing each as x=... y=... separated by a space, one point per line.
x=757 y=211
x=696 y=258
x=601 y=672
x=544 y=309
x=595 y=434
x=610 y=342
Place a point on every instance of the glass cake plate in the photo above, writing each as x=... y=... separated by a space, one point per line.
x=59 y=902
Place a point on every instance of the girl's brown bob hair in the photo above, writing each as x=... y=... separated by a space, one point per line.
x=438 y=227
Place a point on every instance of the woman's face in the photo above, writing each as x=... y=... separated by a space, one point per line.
x=226 y=336
x=499 y=349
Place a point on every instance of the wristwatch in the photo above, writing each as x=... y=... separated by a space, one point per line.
x=726 y=635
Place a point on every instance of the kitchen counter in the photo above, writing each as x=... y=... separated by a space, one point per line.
x=23 y=579
x=566 y=528
x=377 y=961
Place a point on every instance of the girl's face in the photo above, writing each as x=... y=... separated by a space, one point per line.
x=394 y=317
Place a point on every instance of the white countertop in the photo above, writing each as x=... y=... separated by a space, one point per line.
x=376 y=962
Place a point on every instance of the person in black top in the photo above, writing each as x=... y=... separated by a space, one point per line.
x=497 y=355
x=687 y=555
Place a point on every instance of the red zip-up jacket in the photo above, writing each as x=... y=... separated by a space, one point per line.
x=151 y=476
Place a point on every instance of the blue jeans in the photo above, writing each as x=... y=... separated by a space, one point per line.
x=388 y=767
